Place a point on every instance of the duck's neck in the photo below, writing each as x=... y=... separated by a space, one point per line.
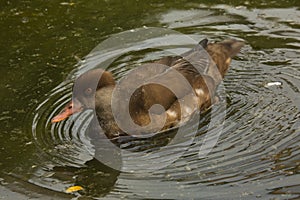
x=106 y=116
x=103 y=101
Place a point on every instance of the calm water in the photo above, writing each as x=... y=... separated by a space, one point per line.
x=257 y=154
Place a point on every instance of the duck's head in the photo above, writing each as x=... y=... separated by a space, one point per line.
x=84 y=91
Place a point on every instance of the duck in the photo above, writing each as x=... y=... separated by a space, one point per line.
x=164 y=94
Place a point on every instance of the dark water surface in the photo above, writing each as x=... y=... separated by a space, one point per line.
x=257 y=155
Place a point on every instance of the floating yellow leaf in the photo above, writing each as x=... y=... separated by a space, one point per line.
x=74 y=189
x=67 y=3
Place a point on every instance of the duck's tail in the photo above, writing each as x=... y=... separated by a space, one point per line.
x=221 y=54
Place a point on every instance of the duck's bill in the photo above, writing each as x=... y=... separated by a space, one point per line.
x=71 y=108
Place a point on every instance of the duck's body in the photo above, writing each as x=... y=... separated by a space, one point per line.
x=200 y=72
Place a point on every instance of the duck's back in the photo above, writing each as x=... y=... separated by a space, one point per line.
x=212 y=59
x=201 y=70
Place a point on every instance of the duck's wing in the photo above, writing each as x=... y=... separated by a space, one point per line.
x=178 y=97
x=163 y=89
x=203 y=62
x=183 y=109
x=169 y=84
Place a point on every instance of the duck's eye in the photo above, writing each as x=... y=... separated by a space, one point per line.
x=88 y=91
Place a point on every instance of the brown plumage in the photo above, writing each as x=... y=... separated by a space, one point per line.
x=200 y=72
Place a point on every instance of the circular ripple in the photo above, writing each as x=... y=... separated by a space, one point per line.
x=258 y=145
x=67 y=142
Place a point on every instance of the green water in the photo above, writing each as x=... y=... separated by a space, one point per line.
x=41 y=42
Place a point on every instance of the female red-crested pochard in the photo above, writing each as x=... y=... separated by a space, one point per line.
x=202 y=68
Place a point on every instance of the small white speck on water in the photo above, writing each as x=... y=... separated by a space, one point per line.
x=270 y=84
